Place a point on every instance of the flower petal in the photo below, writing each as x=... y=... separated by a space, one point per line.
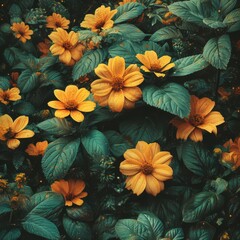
x=214 y=118
x=129 y=169
x=163 y=172
x=162 y=157
x=6 y=121
x=133 y=94
x=137 y=183
x=116 y=101
x=86 y=106
x=101 y=87
x=196 y=135
x=61 y=113
x=204 y=106
x=25 y=134
x=133 y=79
x=19 y=124
x=13 y=143
x=117 y=66
x=103 y=72
x=56 y=105
x=153 y=186
x=81 y=95
x=155 y=148
x=60 y=95
x=164 y=60
x=65 y=57
x=77 y=116
x=144 y=148
x=133 y=154
x=77 y=201
x=169 y=66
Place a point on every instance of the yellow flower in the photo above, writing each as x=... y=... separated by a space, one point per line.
x=126 y=1
x=11 y=131
x=72 y=102
x=146 y=168
x=66 y=46
x=151 y=63
x=57 y=21
x=3 y=185
x=20 y=179
x=38 y=149
x=44 y=46
x=100 y=20
x=11 y=94
x=72 y=191
x=117 y=86
x=21 y=31
x=201 y=118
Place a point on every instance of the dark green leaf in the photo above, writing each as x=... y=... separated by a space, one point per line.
x=232 y=20
x=27 y=81
x=219 y=185
x=40 y=226
x=234 y=184
x=4 y=83
x=175 y=234
x=52 y=78
x=5 y=208
x=24 y=108
x=225 y=6
x=213 y=23
x=172 y=98
x=15 y=11
x=81 y=213
x=201 y=205
x=166 y=33
x=202 y=231
x=11 y=234
x=59 y=157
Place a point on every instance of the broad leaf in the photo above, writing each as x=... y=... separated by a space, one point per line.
x=5 y=208
x=4 y=83
x=175 y=234
x=166 y=33
x=81 y=213
x=10 y=234
x=202 y=231
x=24 y=108
x=59 y=157
x=232 y=20
x=225 y=6
x=27 y=81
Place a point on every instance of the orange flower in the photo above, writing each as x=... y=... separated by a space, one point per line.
x=21 y=31
x=223 y=93
x=57 y=21
x=72 y=191
x=126 y=1
x=146 y=168
x=66 y=46
x=154 y=64
x=100 y=20
x=11 y=131
x=72 y=102
x=117 y=86
x=43 y=47
x=14 y=78
x=11 y=94
x=200 y=118
x=38 y=149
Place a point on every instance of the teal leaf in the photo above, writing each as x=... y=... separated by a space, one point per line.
x=213 y=23
x=224 y=6
x=52 y=78
x=118 y=144
x=27 y=81
x=217 y=51
x=88 y=62
x=175 y=234
x=166 y=33
x=234 y=184
x=5 y=208
x=81 y=213
x=219 y=185
x=202 y=231
x=198 y=160
x=4 y=83
x=128 y=11
x=59 y=157
x=15 y=11
x=10 y=234
x=132 y=229
x=40 y=226
x=188 y=65
x=232 y=20
x=153 y=224
x=85 y=35
x=172 y=98
x=24 y=108
x=56 y=126
x=201 y=205
x=76 y=229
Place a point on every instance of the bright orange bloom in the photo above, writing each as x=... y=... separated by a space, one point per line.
x=11 y=131
x=57 y=21
x=117 y=86
x=200 y=118
x=72 y=191
x=72 y=102
x=38 y=149
x=11 y=94
x=146 y=168
x=66 y=46
x=43 y=47
x=21 y=31
x=126 y=1
x=100 y=20
x=151 y=63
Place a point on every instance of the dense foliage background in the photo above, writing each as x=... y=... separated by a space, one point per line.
x=200 y=202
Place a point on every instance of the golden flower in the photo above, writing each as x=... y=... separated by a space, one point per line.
x=21 y=31
x=100 y=20
x=38 y=149
x=43 y=47
x=3 y=184
x=57 y=21
x=11 y=131
x=72 y=191
x=126 y=1
x=66 y=46
x=151 y=63
x=20 y=179
x=200 y=118
x=72 y=102
x=11 y=94
x=117 y=86
x=146 y=168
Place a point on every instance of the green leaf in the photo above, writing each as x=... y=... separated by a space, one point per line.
x=202 y=231
x=81 y=213
x=175 y=234
x=15 y=11
x=10 y=234
x=24 y=108
x=88 y=62
x=153 y=224
x=232 y=20
x=224 y=6
x=213 y=23
x=5 y=208
x=118 y=144
x=46 y=204
x=128 y=11
x=201 y=205
x=217 y=51
x=52 y=78
x=172 y=98
x=234 y=184
x=198 y=160
x=95 y=143
x=76 y=229
x=219 y=185
x=188 y=65
x=40 y=226
x=4 y=83
x=27 y=81
x=56 y=126
x=166 y=33
x=132 y=229
x=59 y=157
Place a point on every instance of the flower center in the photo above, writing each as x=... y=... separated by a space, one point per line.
x=71 y=105
x=69 y=197
x=67 y=45
x=5 y=96
x=99 y=24
x=9 y=134
x=58 y=24
x=196 y=120
x=147 y=169
x=117 y=84
x=155 y=67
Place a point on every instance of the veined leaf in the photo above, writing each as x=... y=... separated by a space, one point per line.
x=10 y=234
x=232 y=20
x=175 y=234
x=214 y=23
x=166 y=33
x=59 y=157
x=5 y=208
x=81 y=213
x=217 y=51
x=4 y=83
x=171 y=98
x=224 y=6
x=202 y=231
x=27 y=81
